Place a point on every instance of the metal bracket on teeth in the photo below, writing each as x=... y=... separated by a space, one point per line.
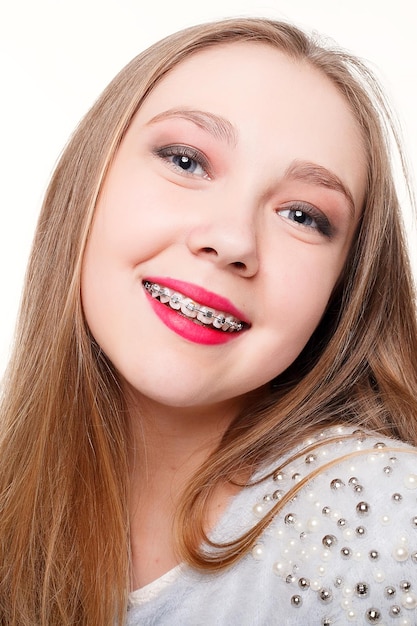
x=156 y=289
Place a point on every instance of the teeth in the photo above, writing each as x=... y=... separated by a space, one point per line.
x=191 y=309
x=205 y=315
x=218 y=321
x=165 y=295
x=175 y=301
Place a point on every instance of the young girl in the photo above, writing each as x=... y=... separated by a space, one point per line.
x=210 y=413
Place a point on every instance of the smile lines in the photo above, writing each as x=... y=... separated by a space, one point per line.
x=193 y=310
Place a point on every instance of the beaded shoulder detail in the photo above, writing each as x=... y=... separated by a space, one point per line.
x=345 y=546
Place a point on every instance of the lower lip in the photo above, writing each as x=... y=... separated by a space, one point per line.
x=188 y=329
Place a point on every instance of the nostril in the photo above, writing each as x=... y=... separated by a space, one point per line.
x=239 y=265
x=209 y=251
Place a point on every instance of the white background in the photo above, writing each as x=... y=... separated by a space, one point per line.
x=57 y=56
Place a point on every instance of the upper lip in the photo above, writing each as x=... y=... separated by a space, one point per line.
x=200 y=295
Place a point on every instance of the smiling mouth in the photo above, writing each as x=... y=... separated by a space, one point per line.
x=194 y=311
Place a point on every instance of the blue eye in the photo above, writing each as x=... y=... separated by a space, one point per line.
x=185 y=159
x=307 y=216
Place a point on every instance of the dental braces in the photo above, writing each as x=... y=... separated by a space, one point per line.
x=175 y=301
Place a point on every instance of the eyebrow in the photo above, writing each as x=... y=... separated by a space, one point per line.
x=305 y=171
x=216 y=125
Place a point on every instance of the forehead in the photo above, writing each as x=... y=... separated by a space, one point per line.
x=287 y=105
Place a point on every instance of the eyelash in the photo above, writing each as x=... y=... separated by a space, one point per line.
x=323 y=224
x=187 y=152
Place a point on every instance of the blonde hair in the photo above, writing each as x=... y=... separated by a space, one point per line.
x=64 y=531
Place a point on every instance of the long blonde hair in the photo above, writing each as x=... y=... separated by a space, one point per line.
x=64 y=532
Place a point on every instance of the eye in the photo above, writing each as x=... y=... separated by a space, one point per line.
x=307 y=216
x=185 y=159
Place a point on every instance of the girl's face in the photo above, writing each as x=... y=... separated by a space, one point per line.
x=223 y=225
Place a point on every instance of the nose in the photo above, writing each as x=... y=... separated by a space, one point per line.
x=228 y=240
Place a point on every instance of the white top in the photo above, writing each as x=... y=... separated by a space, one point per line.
x=343 y=552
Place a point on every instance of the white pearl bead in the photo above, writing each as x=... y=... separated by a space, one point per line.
x=409 y=601
x=335 y=515
x=258 y=552
x=345 y=604
x=326 y=555
x=379 y=576
x=348 y=533
x=385 y=520
x=357 y=555
x=410 y=481
x=258 y=510
x=313 y=524
x=404 y=622
x=400 y=553
x=315 y=585
x=351 y=615
x=279 y=568
x=347 y=591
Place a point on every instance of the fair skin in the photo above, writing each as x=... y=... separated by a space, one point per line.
x=242 y=175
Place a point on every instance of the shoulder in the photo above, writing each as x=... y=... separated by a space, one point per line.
x=345 y=547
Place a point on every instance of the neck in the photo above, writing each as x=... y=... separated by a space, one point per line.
x=173 y=439
x=169 y=446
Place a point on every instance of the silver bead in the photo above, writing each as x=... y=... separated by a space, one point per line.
x=326 y=621
x=373 y=616
x=393 y=460
x=341 y=522
x=267 y=498
x=373 y=555
x=277 y=495
x=290 y=579
x=338 y=582
x=396 y=497
x=414 y=557
x=296 y=601
x=325 y=596
x=353 y=481
x=296 y=477
x=390 y=591
x=380 y=445
x=414 y=521
x=387 y=470
x=304 y=583
x=363 y=508
x=405 y=585
x=395 y=610
x=310 y=458
x=279 y=476
x=346 y=553
x=337 y=483
x=289 y=519
x=360 y=531
x=326 y=510
x=329 y=541
x=360 y=435
x=358 y=488
x=362 y=590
